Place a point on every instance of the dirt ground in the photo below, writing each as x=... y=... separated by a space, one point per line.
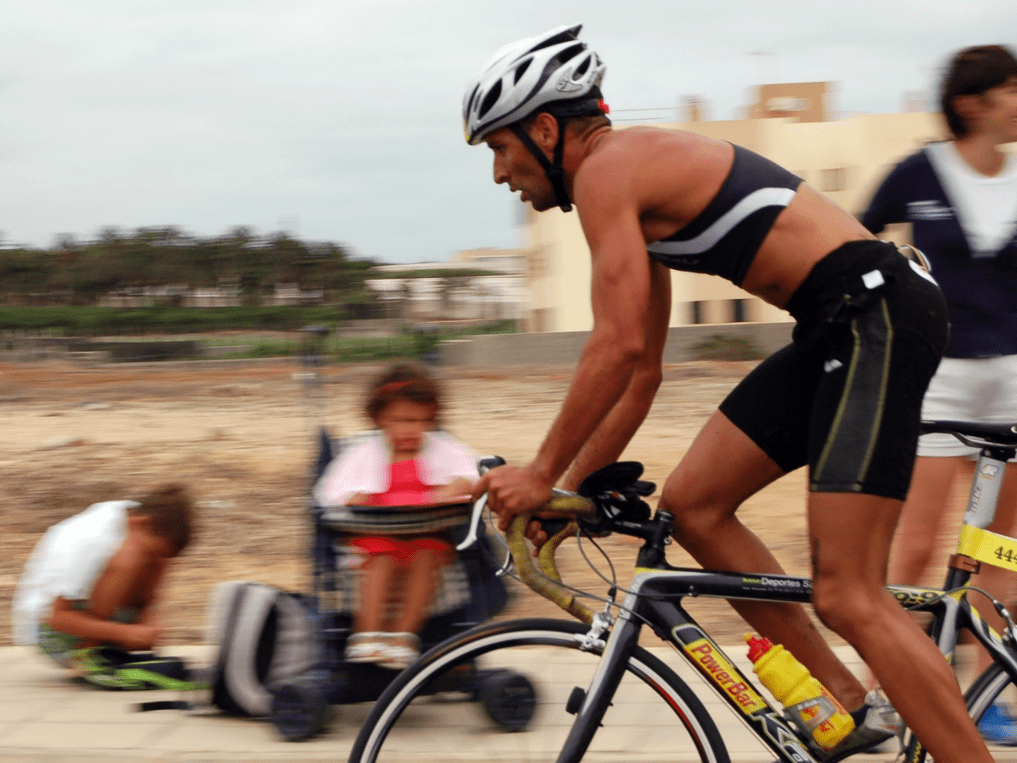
x=240 y=435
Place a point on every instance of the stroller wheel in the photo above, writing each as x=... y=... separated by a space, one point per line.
x=299 y=709
x=509 y=698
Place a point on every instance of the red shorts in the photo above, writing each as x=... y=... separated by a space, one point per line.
x=405 y=549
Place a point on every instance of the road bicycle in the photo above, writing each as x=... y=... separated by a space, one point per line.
x=599 y=695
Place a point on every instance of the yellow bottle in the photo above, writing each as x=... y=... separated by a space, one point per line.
x=816 y=710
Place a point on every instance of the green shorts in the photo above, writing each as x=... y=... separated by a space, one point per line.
x=110 y=667
x=62 y=646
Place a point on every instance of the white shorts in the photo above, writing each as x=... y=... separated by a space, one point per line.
x=969 y=389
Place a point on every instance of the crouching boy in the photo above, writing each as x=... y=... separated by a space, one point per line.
x=87 y=595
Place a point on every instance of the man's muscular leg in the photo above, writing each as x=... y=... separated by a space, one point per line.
x=721 y=469
x=850 y=536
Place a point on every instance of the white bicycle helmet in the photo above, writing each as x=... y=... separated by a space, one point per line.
x=552 y=72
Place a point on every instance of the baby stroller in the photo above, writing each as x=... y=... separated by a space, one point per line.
x=472 y=593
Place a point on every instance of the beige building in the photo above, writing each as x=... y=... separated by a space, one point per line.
x=800 y=101
x=488 y=258
x=496 y=292
x=844 y=159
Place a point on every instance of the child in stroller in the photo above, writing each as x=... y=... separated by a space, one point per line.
x=405 y=463
x=374 y=568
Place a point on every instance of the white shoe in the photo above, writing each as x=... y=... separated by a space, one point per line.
x=877 y=731
x=366 y=646
x=400 y=650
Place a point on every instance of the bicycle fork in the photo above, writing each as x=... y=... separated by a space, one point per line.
x=589 y=706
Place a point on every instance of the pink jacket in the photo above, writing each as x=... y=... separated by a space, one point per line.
x=363 y=467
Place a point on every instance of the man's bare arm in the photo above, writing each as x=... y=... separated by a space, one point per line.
x=621 y=296
x=610 y=439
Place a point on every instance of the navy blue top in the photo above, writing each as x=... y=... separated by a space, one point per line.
x=723 y=239
x=981 y=293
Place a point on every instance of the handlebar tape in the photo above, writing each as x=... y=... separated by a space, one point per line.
x=549 y=584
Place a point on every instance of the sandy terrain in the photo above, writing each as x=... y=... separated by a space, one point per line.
x=241 y=435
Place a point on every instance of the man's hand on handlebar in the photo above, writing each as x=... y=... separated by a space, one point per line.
x=512 y=491
x=536 y=535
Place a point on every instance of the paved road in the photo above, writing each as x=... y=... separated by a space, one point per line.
x=45 y=718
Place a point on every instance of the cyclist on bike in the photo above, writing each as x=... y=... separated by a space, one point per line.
x=844 y=398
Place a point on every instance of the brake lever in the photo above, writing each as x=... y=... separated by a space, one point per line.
x=484 y=465
x=472 y=536
x=644 y=487
x=471 y=533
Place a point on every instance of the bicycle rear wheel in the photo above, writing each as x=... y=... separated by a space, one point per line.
x=536 y=665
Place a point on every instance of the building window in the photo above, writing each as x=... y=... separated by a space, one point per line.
x=833 y=180
x=695 y=312
x=739 y=309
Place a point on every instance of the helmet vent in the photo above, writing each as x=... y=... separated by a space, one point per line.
x=571 y=52
x=521 y=70
x=490 y=99
x=470 y=100
x=581 y=69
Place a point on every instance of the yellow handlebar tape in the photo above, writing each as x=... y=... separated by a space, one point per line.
x=547 y=581
x=988 y=547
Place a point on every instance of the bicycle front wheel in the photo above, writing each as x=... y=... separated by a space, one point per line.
x=992 y=686
x=506 y=692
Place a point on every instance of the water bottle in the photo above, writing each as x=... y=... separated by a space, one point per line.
x=810 y=705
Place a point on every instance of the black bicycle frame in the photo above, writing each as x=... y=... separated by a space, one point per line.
x=655 y=598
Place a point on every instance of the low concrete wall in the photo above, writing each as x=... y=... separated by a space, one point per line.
x=139 y=352
x=566 y=347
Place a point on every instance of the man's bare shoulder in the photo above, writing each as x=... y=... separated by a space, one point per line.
x=657 y=143
x=620 y=155
x=662 y=172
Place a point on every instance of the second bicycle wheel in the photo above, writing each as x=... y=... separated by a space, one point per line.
x=461 y=700
x=994 y=692
x=993 y=686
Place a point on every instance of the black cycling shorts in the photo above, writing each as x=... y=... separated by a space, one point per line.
x=845 y=397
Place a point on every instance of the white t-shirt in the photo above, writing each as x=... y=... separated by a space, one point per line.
x=986 y=206
x=66 y=562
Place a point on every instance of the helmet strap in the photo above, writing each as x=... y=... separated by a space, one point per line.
x=552 y=168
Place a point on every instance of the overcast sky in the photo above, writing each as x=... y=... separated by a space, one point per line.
x=340 y=120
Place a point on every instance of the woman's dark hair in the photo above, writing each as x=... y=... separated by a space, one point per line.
x=402 y=382
x=972 y=71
